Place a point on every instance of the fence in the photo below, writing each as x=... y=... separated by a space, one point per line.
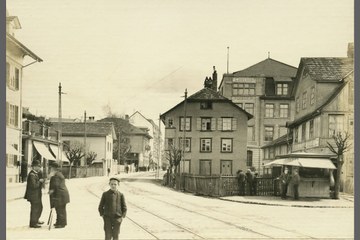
x=216 y=186
x=82 y=172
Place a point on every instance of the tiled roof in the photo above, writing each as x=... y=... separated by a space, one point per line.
x=206 y=94
x=327 y=69
x=92 y=128
x=279 y=141
x=124 y=126
x=268 y=68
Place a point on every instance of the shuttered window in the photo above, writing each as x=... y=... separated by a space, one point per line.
x=12 y=115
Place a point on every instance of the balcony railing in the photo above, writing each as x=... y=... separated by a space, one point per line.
x=36 y=129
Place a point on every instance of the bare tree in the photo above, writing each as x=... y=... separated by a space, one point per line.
x=74 y=153
x=174 y=157
x=341 y=146
x=90 y=157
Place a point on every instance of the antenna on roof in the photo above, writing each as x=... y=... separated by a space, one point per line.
x=227 y=67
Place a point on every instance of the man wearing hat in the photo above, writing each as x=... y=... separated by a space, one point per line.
x=59 y=195
x=113 y=209
x=33 y=194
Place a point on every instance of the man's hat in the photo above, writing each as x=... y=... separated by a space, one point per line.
x=114 y=178
x=35 y=163
x=54 y=165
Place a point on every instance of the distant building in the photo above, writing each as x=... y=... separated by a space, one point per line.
x=265 y=91
x=135 y=140
x=140 y=121
x=212 y=132
x=15 y=54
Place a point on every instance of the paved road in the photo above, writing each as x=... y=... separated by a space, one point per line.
x=156 y=212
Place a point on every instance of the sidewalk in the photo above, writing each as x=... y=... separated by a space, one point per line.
x=345 y=201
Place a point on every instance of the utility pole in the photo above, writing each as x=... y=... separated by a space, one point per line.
x=60 y=148
x=85 y=163
x=159 y=150
x=227 y=65
x=182 y=163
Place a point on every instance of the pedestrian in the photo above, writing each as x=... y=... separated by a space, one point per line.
x=59 y=195
x=33 y=194
x=255 y=182
x=284 y=180
x=249 y=181
x=296 y=182
x=108 y=171
x=113 y=209
x=241 y=182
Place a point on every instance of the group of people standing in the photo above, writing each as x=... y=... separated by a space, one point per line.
x=285 y=178
x=249 y=180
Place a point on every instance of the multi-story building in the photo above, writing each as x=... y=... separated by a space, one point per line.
x=136 y=141
x=210 y=130
x=140 y=121
x=15 y=54
x=265 y=91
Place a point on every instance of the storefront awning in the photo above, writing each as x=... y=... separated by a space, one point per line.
x=11 y=150
x=55 y=150
x=303 y=162
x=43 y=150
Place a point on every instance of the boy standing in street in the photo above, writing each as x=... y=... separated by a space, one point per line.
x=113 y=209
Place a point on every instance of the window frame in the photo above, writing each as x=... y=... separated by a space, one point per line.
x=280 y=89
x=281 y=110
x=272 y=132
x=187 y=124
x=201 y=145
x=269 y=112
x=187 y=139
x=208 y=124
x=223 y=124
x=221 y=145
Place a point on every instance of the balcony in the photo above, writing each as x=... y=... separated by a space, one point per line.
x=35 y=129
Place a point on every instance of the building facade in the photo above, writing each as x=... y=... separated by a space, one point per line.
x=265 y=91
x=15 y=54
x=211 y=131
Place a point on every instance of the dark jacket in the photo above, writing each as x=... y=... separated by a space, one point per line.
x=106 y=208
x=296 y=179
x=285 y=178
x=241 y=177
x=60 y=195
x=249 y=177
x=33 y=187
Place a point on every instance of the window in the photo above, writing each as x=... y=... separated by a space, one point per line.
x=303 y=132
x=206 y=105
x=250 y=133
x=226 y=167
x=12 y=76
x=170 y=122
x=269 y=133
x=311 y=129
x=205 y=124
x=187 y=144
x=187 y=124
x=226 y=124
x=186 y=166
x=281 y=89
x=296 y=135
x=205 y=144
x=226 y=145
x=249 y=107
x=244 y=89
x=169 y=143
x=304 y=98
x=12 y=115
x=205 y=167
x=297 y=104
x=269 y=110
x=271 y=153
x=312 y=96
x=336 y=124
x=66 y=145
x=249 y=158
x=284 y=110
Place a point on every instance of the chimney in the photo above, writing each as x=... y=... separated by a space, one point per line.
x=127 y=117
x=91 y=119
x=214 y=82
x=350 y=51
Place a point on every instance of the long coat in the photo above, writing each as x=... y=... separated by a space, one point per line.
x=33 y=187
x=106 y=208
x=60 y=194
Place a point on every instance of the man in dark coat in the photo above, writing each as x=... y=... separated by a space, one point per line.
x=33 y=194
x=249 y=180
x=241 y=182
x=284 y=181
x=59 y=195
x=296 y=182
x=113 y=209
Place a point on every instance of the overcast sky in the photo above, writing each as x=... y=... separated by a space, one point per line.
x=141 y=54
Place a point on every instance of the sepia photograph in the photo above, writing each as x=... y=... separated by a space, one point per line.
x=179 y=120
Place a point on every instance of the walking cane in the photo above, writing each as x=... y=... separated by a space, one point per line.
x=50 y=219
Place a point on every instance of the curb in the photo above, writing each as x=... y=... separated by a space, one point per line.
x=284 y=205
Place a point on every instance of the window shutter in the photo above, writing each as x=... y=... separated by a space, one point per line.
x=234 y=124
x=198 y=124
x=219 y=123
x=7 y=74
x=7 y=113
x=16 y=116
x=17 y=78
x=213 y=124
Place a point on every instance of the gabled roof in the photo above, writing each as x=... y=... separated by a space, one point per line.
x=147 y=119
x=327 y=69
x=268 y=68
x=207 y=94
x=93 y=129
x=11 y=39
x=317 y=111
x=123 y=126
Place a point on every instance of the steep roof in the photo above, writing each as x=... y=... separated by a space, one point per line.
x=123 y=126
x=268 y=68
x=327 y=69
x=27 y=51
x=92 y=128
x=207 y=94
